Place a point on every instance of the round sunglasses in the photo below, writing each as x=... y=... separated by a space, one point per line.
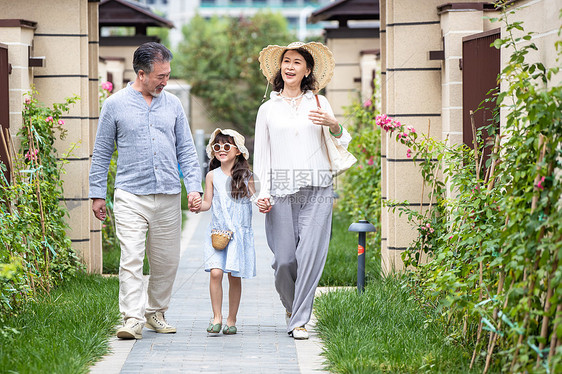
x=226 y=147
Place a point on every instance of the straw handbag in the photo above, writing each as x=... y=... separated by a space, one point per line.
x=220 y=238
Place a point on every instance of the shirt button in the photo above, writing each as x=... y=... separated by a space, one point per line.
x=154 y=152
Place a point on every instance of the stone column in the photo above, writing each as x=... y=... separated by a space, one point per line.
x=411 y=90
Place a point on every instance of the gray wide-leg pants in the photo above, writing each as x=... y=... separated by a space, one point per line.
x=298 y=233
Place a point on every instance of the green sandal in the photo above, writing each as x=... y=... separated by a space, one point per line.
x=229 y=330
x=214 y=328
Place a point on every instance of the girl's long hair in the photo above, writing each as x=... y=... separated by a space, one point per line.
x=240 y=172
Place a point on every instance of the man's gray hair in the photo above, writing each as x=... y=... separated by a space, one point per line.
x=147 y=54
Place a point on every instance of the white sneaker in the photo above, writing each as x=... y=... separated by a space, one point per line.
x=299 y=333
x=131 y=330
x=158 y=323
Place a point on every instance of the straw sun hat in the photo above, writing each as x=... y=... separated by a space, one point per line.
x=238 y=142
x=270 y=61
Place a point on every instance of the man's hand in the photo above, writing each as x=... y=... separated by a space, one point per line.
x=264 y=205
x=99 y=209
x=194 y=201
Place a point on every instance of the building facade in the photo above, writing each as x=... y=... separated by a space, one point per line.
x=429 y=70
x=59 y=59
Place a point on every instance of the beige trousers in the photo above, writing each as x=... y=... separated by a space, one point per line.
x=151 y=223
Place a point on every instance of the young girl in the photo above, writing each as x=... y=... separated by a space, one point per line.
x=228 y=188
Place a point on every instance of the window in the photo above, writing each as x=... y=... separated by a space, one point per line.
x=293 y=21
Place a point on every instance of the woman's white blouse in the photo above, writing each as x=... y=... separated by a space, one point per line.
x=289 y=150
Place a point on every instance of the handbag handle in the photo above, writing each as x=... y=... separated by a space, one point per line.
x=317 y=101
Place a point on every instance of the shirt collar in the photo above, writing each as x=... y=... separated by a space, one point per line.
x=135 y=92
x=274 y=95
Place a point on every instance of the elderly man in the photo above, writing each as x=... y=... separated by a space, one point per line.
x=152 y=135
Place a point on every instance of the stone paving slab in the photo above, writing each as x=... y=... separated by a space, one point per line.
x=261 y=344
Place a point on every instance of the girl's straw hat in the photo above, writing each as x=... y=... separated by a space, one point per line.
x=238 y=141
x=324 y=63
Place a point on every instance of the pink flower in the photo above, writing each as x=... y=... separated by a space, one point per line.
x=360 y=166
x=27 y=100
x=388 y=124
x=451 y=237
x=431 y=231
x=61 y=122
x=383 y=122
x=412 y=130
x=367 y=103
x=409 y=153
x=49 y=119
x=370 y=161
x=108 y=86
x=539 y=185
x=32 y=154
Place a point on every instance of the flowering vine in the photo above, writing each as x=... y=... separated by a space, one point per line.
x=35 y=252
x=494 y=237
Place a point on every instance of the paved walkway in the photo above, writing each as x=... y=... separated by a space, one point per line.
x=261 y=345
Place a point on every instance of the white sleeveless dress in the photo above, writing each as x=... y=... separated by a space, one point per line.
x=239 y=257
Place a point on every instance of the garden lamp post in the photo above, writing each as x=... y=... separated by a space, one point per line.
x=362 y=227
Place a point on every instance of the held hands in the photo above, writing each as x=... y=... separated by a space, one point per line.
x=264 y=205
x=99 y=209
x=194 y=201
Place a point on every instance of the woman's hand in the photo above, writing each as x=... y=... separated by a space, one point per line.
x=264 y=205
x=323 y=118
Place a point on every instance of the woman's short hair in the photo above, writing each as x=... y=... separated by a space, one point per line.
x=307 y=83
x=147 y=54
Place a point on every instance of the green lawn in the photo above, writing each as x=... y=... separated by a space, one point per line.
x=341 y=263
x=64 y=332
x=383 y=330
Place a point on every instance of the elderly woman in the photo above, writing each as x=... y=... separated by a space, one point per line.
x=292 y=164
